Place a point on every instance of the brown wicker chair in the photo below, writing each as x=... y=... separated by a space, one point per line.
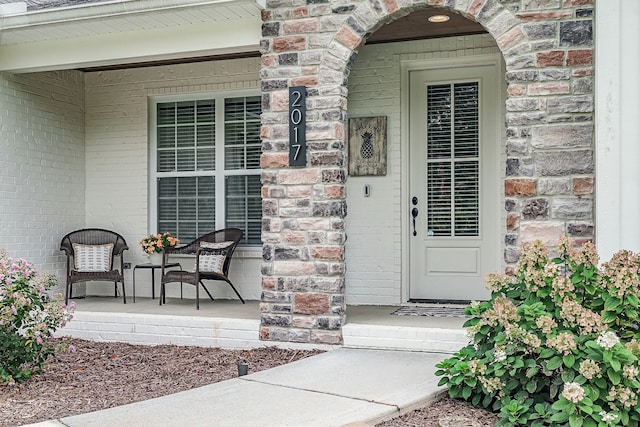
x=230 y=235
x=90 y=238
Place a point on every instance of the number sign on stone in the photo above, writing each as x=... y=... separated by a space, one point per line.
x=297 y=126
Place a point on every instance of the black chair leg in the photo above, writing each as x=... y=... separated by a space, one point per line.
x=124 y=293
x=236 y=291
x=207 y=290
x=197 y=297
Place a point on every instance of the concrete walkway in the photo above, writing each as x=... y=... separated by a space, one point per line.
x=336 y=388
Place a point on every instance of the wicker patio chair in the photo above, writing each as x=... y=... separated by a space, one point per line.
x=90 y=255
x=213 y=253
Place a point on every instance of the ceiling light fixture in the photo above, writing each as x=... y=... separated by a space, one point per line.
x=438 y=18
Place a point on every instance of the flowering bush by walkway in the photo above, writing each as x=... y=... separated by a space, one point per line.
x=28 y=318
x=558 y=343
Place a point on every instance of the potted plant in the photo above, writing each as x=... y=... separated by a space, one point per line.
x=152 y=245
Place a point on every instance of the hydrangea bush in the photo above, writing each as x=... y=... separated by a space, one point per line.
x=558 y=342
x=28 y=318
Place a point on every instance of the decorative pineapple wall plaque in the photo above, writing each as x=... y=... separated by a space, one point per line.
x=368 y=146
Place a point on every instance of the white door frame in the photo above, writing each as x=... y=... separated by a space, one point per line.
x=405 y=68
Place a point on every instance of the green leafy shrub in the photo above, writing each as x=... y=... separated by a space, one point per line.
x=28 y=318
x=558 y=342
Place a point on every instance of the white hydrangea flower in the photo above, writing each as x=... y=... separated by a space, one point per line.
x=573 y=392
x=607 y=417
x=607 y=339
x=499 y=356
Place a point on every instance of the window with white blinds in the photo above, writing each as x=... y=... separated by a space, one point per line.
x=453 y=164
x=208 y=166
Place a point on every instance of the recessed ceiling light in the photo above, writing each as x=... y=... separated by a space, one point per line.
x=438 y=18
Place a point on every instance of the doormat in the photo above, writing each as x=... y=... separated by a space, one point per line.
x=432 y=310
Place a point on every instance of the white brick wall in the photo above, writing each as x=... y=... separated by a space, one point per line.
x=373 y=248
x=42 y=167
x=154 y=329
x=117 y=157
x=405 y=338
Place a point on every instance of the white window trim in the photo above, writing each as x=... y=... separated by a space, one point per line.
x=219 y=165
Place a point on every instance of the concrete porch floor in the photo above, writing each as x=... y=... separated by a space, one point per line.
x=231 y=324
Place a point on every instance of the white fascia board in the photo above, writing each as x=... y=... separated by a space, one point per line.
x=235 y=36
x=14 y=8
x=109 y=9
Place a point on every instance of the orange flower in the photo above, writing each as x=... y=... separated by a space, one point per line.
x=155 y=242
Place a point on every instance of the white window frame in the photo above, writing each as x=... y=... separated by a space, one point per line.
x=220 y=201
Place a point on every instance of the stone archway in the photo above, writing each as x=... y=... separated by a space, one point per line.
x=549 y=158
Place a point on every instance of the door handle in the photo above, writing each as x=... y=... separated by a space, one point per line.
x=414 y=214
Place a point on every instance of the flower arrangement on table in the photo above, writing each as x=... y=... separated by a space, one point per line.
x=154 y=243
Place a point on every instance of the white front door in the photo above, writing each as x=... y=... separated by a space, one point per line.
x=454 y=128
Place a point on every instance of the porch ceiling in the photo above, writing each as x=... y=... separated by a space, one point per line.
x=129 y=31
x=416 y=26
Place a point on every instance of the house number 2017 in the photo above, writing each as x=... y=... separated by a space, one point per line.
x=297 y=126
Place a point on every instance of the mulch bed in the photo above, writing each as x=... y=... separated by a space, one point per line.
x=444 y=413
x=100 y=375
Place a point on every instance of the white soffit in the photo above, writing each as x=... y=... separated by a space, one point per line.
x=127 y=31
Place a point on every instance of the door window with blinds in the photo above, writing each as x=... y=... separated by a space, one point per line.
x=453 y=165
x=207 y=166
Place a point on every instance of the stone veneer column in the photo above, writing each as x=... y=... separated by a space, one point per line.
x=550 y=166
x=548 y=49
x=303 y=208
